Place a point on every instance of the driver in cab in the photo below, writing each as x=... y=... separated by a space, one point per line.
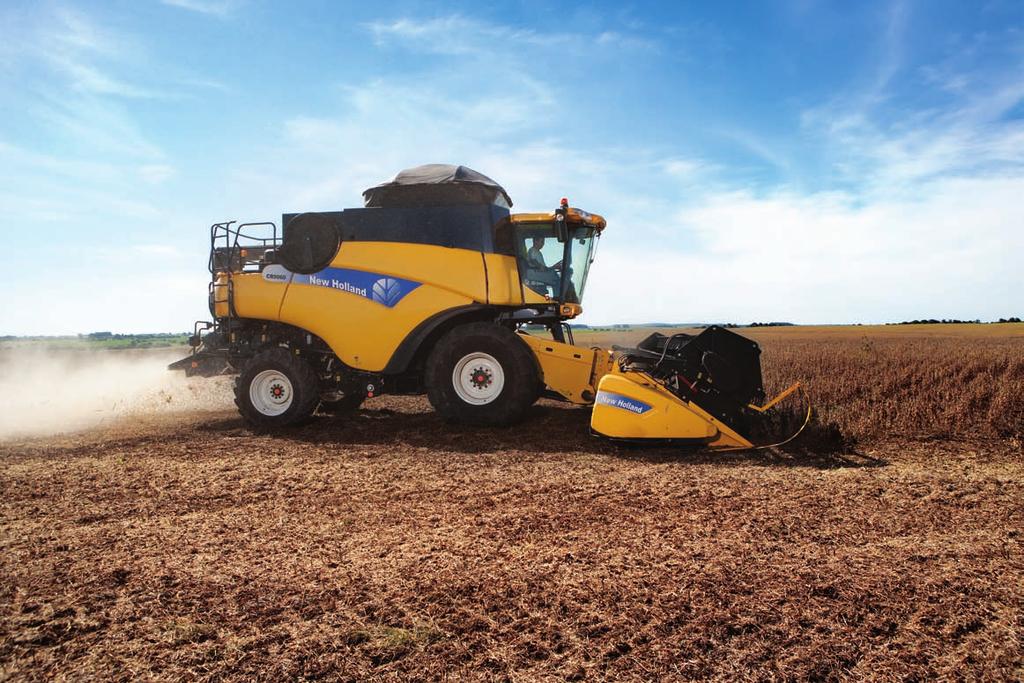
x=535 y=257
x=540 y=276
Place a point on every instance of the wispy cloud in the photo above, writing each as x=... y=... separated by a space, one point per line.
x=219 y=8
x=154 y=174
x=973 y=137
x=66 y=50
x=883 y=144
x=892 y=46
x=207 y=84
x=757 y=147
x=91 y=79
x=93 y=124
x=92 y=59
x=456 y=34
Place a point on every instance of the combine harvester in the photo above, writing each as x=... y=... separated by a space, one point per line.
x=435 y=287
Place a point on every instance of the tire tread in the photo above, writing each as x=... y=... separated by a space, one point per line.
x=305 y=385
x=522 y=375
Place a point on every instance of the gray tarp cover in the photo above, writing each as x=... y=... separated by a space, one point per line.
x=436 y=185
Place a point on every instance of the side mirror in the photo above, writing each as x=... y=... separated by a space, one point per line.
x=561 y=229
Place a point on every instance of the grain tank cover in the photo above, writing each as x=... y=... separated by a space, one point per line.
x=436 y=185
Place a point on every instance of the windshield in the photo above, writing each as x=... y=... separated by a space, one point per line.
x=582 y=254
x=543 y=260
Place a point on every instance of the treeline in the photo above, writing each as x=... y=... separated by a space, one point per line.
x=100 y=336
x=954 y=321
x=621 y=327
x=99 y=340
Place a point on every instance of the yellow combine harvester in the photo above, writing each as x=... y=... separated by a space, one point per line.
x=435 y=287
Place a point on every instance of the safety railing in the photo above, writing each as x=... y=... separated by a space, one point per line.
x=241 y=248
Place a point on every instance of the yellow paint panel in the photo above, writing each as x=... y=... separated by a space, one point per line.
x=567 y=369
x=458 y=270
x=532 y=297
x=503 y=285
x=255 y=297
x=363 y=333
x=667 y=417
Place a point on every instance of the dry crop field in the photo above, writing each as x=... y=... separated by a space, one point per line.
x=884 y=544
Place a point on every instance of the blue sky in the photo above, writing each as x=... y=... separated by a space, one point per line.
x=805 y=161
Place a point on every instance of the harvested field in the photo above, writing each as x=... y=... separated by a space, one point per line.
x=391 y=545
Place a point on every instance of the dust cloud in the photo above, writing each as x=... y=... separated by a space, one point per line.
x=54 y=391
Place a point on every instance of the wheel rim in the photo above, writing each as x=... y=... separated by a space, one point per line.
x=478 y=378
x=271 y=393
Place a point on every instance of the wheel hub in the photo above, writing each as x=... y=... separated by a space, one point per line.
x=481 y=378
x=478 y=378
x=270 y=392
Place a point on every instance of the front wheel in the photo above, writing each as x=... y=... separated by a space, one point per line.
x=482 y=374
x=277 y=389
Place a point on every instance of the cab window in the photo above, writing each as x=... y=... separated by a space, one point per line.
x=540 y=257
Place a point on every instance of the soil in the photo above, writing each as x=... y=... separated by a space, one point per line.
x=389 y=545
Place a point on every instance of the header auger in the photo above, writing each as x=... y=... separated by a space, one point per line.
x=435 y=287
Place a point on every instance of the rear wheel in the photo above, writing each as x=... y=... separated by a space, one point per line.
x=277 y=389
x=482 y=374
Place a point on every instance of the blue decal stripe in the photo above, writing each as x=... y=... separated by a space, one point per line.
x=622 y=402
x=382 y=289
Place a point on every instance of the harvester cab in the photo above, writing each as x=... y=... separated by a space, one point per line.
x=555 y=252
x=435 y=287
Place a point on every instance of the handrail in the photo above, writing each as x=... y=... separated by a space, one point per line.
x=229 y=244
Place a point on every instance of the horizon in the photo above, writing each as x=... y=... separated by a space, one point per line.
x=827 y=163
x=779 y=323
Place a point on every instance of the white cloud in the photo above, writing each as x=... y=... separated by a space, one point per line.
x=771 y=153
x=90 y=79
x=686 y=169
x=88 y=58
x=389 y=125
x=824 y=258
x=459 y=35
x=154 y=174
x=220 y=8
x=884 y=146
x=74 y=31
x=970 y=138
x=92 y=124
x=85 y=55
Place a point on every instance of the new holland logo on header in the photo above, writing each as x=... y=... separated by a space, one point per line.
x=622 y=402
x=382 y=289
